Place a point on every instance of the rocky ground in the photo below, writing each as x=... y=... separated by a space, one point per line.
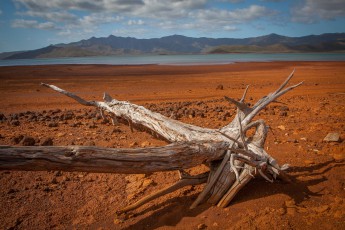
x=79 y=200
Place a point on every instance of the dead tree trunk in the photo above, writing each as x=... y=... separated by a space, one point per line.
x=233 y=158
x=176 y=156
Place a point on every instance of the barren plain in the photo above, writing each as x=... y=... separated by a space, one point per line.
x=33 y=115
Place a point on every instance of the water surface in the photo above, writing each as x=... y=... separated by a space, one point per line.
x=200 y=59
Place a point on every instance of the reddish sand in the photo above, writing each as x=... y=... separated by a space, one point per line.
x=63 y=200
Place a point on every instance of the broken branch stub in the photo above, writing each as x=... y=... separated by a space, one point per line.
x=233 y=158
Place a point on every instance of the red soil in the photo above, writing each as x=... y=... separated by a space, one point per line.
x=64 y=200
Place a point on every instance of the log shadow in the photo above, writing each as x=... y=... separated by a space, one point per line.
x=170 y=212
x=298 y=190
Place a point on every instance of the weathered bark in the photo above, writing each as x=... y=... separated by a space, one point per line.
x=176 y=156
x=234 y=159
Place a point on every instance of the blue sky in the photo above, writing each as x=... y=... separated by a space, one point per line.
x=31 y=24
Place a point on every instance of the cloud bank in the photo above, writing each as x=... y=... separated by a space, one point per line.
x=139 y=17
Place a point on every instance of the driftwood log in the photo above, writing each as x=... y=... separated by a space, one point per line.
x=233 y=158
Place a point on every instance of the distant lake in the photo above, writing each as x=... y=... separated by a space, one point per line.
x=208 y=59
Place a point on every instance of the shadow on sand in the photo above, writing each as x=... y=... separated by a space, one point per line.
x=173 y=210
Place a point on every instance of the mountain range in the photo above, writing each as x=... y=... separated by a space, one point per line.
x=178 y=44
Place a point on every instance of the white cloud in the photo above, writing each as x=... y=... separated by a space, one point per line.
x=135 y=22
x=56 y=16
x=232 y=1
x=314 y=10
x=46 y=26
x=230 y=28
x=21 y=23
x=87 y=25
x=96 y=19
x=172 y=16
x=86 y=5
x=251 y=13
x=168 y=9
x=238 y=16
x=212 y=20
x=147 y=8
x=272 y=0
x=66 y=32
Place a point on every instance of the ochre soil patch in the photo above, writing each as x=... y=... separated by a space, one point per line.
x=31 y=114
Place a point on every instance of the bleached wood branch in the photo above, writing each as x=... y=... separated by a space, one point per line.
x=109 y=160
x=170 y=129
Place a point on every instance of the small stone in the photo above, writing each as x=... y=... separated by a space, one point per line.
x=64 y=178
x=80 y=176
x=92 y=126
x=304 y=139
x=47 y=142
x=290 y=203
x=118 y=221
x=281 y=127
x=54 y=181
x=76 y=124
x=15 y=123
x=291 y=211
x=302 y=210
x=321 y=209
x=57 y=173
x=53 y=124
x=28 y=141
x=145 y=144
x=17 y=139
x=202 y=226
x=11 y=191
x=281 y=211
x=283 y=114
x=105 y=121
x=316 y=151
x=147 y=182
x=68 y=115
x=46 y=189
x=339 y=156
x=309 y=162
x=116 y=130
x=284 y=108
x=133 y=144
x=220 y=87
x=332 y=137
x=90 y=143
x=215 y=224
x=61 y=134
x=2 y=117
